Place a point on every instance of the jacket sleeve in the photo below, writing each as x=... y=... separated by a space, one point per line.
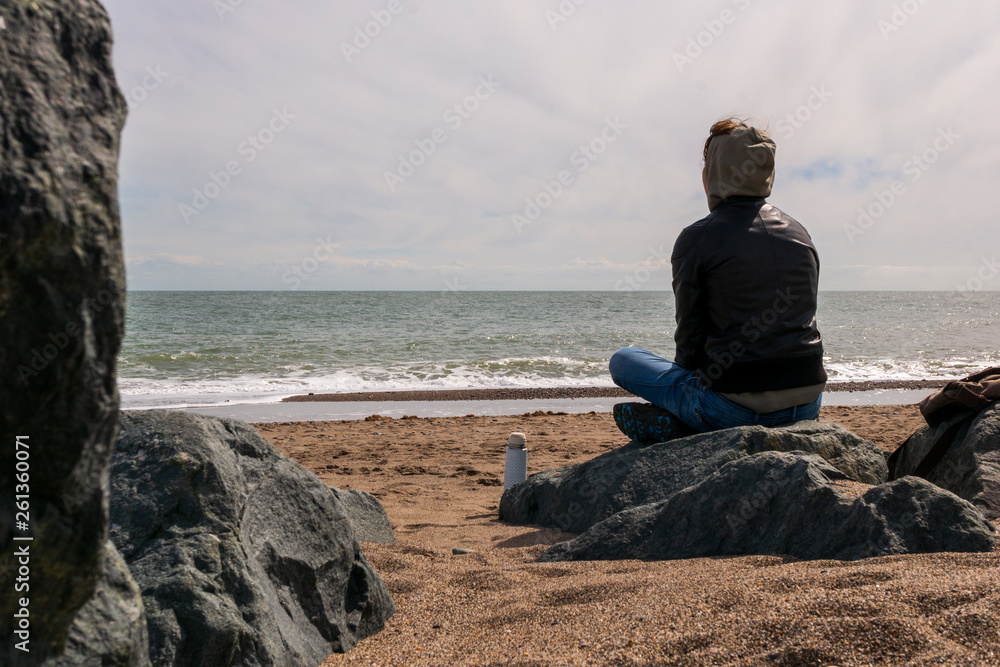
x=689 y=303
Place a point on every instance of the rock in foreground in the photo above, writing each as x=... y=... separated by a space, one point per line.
x=110 y=630
x=971 y=467
x=785 y=504
x=243 y=556
x=62 y=287
x=576 y=497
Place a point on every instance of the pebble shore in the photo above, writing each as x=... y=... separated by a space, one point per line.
x=561 y=392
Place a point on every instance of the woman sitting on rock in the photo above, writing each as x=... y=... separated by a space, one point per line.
x=748 y=350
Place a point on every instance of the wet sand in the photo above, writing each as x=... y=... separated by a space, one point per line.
x=440 y=481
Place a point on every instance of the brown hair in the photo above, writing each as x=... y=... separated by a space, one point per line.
x=722 y=127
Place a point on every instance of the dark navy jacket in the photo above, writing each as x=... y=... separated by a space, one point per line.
x=745 y=279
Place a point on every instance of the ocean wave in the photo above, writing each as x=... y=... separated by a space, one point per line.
x=139 y=393
x=209 y=348
x=896 y=369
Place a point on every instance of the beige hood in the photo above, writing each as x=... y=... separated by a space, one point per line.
x=740 y=163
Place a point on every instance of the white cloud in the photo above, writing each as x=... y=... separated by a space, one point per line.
x=324 y=175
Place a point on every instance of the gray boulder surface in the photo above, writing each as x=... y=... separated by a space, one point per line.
x=576 y=497
x=62 y=286
x=785 y=504
x=110 y=629
x=369 y=518
x=243 y=556
x=971 y=467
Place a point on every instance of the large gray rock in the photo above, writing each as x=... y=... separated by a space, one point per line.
x=785 y=503
x=971 y=467
x=574 y=498
x=110 y=629
x=61 y=318
x=243 y=556
x=368 y=517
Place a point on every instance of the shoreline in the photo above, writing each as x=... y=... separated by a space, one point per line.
x=529 y=393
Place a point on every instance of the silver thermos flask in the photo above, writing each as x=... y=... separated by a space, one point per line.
x=516 y=468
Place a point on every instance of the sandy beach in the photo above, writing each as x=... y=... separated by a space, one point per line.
x=440 y=481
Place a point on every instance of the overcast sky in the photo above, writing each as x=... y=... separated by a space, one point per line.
x=533 y=144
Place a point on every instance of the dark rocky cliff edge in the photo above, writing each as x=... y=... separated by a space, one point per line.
x=62 y=288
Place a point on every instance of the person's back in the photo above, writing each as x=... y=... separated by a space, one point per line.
x=745 y=280
x=746 y=300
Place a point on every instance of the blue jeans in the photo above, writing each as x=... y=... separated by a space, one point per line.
x=680 y=391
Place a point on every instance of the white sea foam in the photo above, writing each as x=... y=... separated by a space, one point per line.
x=895 y=369
x=139 y=393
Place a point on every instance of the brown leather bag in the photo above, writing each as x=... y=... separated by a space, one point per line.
x=975 y=392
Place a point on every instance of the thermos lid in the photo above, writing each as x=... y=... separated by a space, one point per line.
x=517 y=441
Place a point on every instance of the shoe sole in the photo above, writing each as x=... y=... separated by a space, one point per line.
x=644 y=422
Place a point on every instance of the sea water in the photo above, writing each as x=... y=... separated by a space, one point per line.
x=210 y=348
